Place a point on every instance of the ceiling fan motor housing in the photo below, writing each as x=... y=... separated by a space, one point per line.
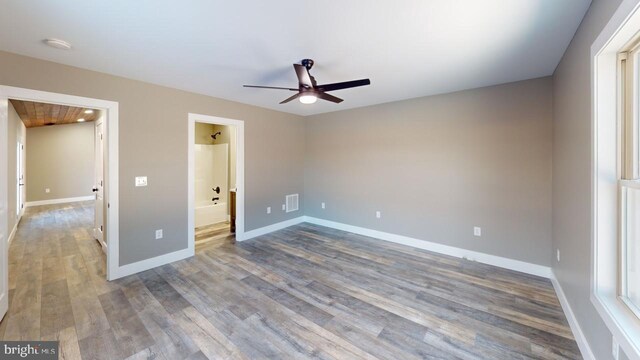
x=308 y=63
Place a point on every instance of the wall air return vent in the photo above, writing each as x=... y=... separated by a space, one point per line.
x=292 y=202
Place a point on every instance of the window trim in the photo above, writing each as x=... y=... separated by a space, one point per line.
x=605 y=174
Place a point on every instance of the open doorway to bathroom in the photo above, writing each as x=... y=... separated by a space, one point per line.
x=215 y=190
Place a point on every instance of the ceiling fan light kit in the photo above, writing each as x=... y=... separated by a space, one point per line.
x=308 y=91
x=308 y=98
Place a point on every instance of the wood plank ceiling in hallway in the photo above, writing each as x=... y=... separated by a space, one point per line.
x=302 y=292
x=35 y=114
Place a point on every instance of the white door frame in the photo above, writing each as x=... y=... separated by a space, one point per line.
x=239 y=124
x=4 y=207
x=111 y=163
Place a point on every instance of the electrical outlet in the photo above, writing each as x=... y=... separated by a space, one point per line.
x=159 y=234
x=47 y=190
x=141 y=181
x=284 y=207
x=477 y=231
x=378 y=214
x=615 y=349
x=268 y=209
x=558 y=254
x=323 y=206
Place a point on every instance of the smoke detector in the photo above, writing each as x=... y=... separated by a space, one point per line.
x=58 y=44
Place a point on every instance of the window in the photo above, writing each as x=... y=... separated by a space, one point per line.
x=630 y=245
x=615 y=235
x=629 y=174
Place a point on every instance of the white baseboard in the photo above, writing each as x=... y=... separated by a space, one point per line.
x=581 y=340
x=13 y=232
x=511 y=264
x=147 y=264
x=59 y=201
x=271 y=228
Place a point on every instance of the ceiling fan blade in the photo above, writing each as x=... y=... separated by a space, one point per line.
x=269 y=87
x=325 y=96
x=344 y=85
x=304 y=78
x=290 y=98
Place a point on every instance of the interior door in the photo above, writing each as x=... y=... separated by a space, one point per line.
x=99 y=186
x=20 y=172
x=4 y=256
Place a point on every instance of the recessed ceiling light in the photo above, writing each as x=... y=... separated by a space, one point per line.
x=81 y=120
x=58 y=44
x=88 y=111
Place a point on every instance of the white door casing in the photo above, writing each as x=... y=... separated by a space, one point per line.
x=109 y=110
x=99 y=183
x=4 y=231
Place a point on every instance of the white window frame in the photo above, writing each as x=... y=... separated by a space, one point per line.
x=622 y=289
x=608 y=166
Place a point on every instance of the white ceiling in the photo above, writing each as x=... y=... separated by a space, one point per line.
x=408 y=48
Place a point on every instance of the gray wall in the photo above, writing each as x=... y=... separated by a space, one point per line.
x=153 y=142
x=60 y=158
x=438 y=166
x=16 y=133
x=572 y=174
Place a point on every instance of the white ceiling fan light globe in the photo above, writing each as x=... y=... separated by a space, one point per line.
x=308 y=99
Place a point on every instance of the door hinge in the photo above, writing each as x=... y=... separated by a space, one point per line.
x=100 y=228
x=108 y=206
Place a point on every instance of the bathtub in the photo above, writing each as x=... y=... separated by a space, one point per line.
x=209 y=213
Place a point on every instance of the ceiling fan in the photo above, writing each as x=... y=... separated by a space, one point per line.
x=308 y=90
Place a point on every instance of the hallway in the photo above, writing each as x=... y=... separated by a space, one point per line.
x=54 y=259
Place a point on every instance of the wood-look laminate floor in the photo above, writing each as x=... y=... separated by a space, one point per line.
x=214 y=235
x=303 y=292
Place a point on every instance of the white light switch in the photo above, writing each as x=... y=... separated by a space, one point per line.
x=378 y=214
x=141 y=181
x=268 y=209
x=47 y=190
x=159 y=234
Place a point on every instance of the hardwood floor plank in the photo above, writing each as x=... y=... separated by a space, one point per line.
x=57 y=314
x=128 y=329
x=301 y=307
x=101 y=346
x=163 y=292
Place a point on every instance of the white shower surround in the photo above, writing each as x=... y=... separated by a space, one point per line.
x=211 y=171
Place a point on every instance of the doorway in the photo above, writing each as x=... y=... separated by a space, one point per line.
x=215 y=180
x=109 y=114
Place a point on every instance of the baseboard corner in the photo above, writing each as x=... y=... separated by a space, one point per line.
x=578 y=334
